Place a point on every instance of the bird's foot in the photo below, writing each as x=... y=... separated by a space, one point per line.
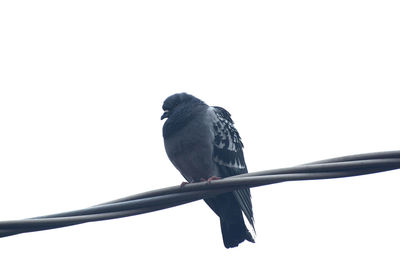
x=212 y=178
x=183 y=184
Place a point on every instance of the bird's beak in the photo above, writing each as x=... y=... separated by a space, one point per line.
x=165 y=115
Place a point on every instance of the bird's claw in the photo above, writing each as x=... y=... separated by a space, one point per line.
x=212 y=178
x=183 y=184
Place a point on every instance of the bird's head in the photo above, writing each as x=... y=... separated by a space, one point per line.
x=177 y=102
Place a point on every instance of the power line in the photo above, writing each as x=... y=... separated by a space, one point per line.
x=163 y=198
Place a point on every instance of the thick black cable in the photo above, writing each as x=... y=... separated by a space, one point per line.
x=172 y=196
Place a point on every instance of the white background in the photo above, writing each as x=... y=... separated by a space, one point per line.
x=81 y=89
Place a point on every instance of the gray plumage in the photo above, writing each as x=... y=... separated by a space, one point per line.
x=201 y=141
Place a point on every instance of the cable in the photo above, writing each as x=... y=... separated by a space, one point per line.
x=163 y=198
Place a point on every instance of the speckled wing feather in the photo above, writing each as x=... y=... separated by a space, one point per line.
x=228 y=155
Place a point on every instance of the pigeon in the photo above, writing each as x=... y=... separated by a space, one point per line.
x=202 y=143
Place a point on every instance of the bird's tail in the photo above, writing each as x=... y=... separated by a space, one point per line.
x=235 y=232
x=233 y=227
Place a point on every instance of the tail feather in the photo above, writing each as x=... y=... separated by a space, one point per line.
x=234 y=233
x=234 y=230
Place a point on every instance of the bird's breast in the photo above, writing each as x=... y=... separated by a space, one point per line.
x=191 y=152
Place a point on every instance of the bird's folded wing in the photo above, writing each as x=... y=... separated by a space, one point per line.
x=228 y=155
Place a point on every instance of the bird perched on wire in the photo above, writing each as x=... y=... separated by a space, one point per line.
x=202 y=143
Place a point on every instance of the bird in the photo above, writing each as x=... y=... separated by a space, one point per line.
x=203 y=144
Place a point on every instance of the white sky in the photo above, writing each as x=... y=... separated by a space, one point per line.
x=81 y=88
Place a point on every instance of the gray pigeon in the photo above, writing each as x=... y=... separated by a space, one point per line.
x=202 y=142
